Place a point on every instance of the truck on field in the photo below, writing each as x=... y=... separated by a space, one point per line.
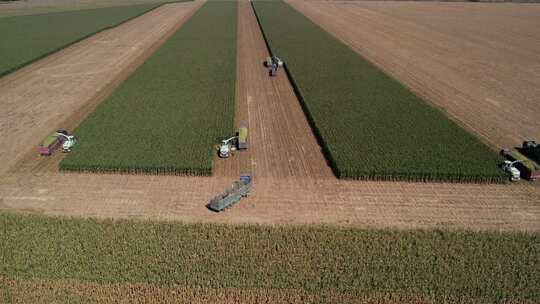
x=231 y=195
x=53 y=141
x=528 y=169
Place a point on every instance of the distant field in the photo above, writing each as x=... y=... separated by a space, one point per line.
x=28 y=38
x=168 y=115
x=32 y=7
x=370 y=125
x=74 y=256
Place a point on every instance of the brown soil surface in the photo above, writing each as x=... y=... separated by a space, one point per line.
x=292 y=184
x=277 y=201
x=479 y=62
x=59 y=91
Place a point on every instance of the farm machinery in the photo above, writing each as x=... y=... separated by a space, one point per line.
x=231 y=195
x=522 y=162
x=272 y=64
x=55 y=140
x=226 y=147
x=238 y=142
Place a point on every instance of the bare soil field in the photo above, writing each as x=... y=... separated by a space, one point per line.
x=292 y=183
x=62 y=89
x=478 y=62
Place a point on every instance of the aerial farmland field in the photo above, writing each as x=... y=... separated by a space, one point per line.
x=370 y=126
x=28 y=38
x=478 y=62
x=33 y=7
x=60 y=90
x=169 y=83
x=323 y=263
x=167 y=116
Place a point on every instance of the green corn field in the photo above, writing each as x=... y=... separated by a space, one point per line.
x=370 y=126
x=26 y=39
x=280 y=262
x=166 y=117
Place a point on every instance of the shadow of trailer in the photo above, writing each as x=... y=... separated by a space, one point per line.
x=232 y=195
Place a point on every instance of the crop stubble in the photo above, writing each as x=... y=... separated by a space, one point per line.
x=478 y=62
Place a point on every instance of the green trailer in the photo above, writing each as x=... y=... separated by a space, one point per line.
x=242 y=137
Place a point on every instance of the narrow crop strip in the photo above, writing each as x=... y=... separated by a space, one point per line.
x=369 y=125
x=166 y=117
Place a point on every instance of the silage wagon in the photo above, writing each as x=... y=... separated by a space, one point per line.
x=231 y=195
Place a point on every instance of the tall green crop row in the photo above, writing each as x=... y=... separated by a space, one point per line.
x=166 y=117
x=370 y=126
x=25 y=39
x=444 y=266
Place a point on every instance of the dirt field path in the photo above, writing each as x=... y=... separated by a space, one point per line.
x=277 y=201
x=60 y=90
x=291 y=187
x=479 y=62
x=281 y=141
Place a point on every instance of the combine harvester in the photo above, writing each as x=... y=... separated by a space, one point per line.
x=55 y=140
x=232 y=195
x=523 y=162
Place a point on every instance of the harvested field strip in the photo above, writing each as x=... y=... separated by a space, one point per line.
x=436 y=265
x=370 y=126
x=26 y=39
x=166 y=117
